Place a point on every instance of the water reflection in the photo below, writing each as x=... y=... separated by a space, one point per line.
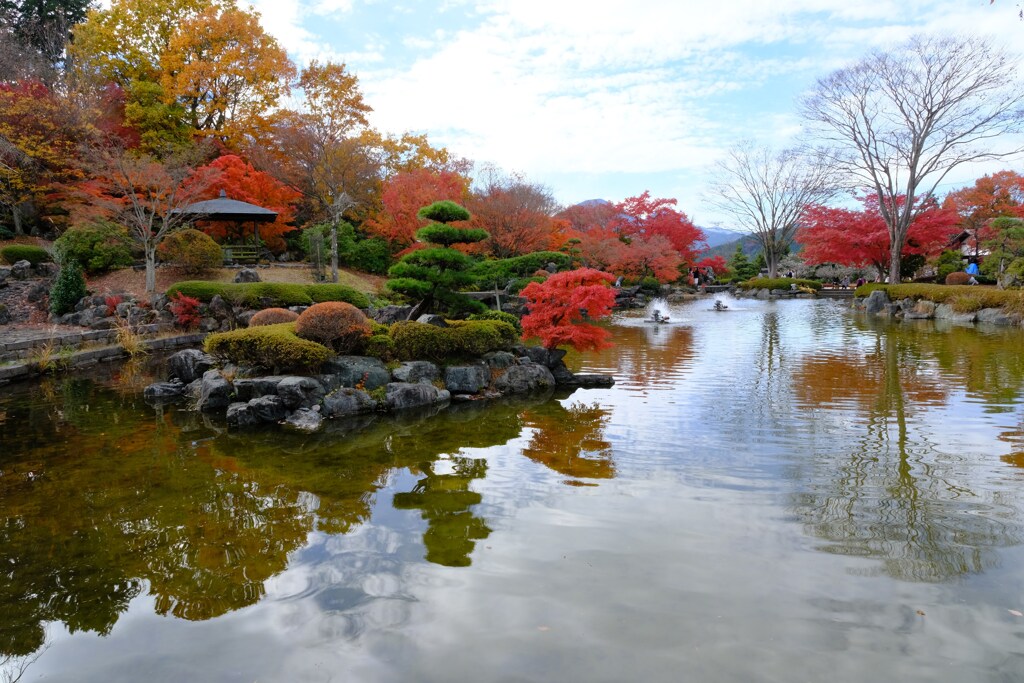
x=645 y=356
x=570 y=440
x=893 y=492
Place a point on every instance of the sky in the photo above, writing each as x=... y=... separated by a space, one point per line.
x=608 y=99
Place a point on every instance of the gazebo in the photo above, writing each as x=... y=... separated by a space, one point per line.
x=232 y=210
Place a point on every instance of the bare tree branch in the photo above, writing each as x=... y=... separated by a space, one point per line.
x=898 y=122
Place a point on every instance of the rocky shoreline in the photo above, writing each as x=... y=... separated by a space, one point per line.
x=878 y=304
x=354 y=385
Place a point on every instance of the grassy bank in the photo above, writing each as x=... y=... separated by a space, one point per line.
x=961 y=298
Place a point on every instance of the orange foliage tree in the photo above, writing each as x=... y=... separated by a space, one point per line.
x=403 y=196
x=239 y=180
x=560 y=305
x=517 y=214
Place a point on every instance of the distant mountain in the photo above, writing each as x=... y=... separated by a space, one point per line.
x=717 y=236
x=751 y=247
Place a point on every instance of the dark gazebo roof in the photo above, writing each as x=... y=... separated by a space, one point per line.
x=224 y=209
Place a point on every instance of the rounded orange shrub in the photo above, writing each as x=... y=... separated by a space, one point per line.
x=273 y=316
x=958 y=278
x=336 y=324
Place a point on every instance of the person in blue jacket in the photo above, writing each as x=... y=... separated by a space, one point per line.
x=972 y=270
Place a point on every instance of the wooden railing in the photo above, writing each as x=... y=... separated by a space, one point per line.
x=236 y=253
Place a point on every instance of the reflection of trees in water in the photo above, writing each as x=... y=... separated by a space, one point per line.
x=895 y=497
x=637 y=362
x=444 y=501
x=102 y=499
x=570 y=440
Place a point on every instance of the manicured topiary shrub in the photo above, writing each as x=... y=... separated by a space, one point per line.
x=477 y=337
x=380 y=346
x=499 y=315
x=192 y=251
x=779 y=283
x=371 y=256
x=68 y=289
x=268 y=294
x=500 y=272
x=334 y=324
x=98 y=247
x=272 y=347
x=419 y=341
x=334 y=292
x=24 y=252
x=958 y=278
x=273 y=316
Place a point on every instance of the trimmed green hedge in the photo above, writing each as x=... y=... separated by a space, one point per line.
x=269 y=294
x=499 y=315
x=25 y=252
x=420 y=341
x=273 y=347
x=778 y=283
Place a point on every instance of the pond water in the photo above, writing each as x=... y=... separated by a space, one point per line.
x=779 y=492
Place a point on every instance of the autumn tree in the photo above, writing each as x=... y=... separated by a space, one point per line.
x=560 y=305
x=645 y=216
x=404 y=195
x=991 y=196
x=226 y=72
x=516 y=213
x=766 y=192
x=643 y=257
x=143 y=194
x=899 y=121
x=39 y=137
x=239 y=180
x=860 y=238
x=125 y=42
x=434 y=275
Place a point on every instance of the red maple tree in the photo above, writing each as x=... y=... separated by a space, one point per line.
x=560 y=305
x=404 y=195
x=860 y=238
x=239 y=180
x=646 y=216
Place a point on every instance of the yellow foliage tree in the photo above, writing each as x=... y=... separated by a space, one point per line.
x=226 y=72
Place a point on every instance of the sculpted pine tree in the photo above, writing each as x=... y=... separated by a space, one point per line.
x=434 y=275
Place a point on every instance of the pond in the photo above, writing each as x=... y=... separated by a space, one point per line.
x=778 y=492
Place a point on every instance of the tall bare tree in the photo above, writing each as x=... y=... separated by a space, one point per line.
x=898 y=122
x=767 y=191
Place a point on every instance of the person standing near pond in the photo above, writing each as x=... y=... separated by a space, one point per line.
x=972 y=270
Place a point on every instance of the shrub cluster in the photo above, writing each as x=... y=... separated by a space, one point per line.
x=273 y=316
x=24 y=252
x=958 y=277
x=185 y=310
x=499 y=315
x=268 y=294
x=499 y=273
x=778 y=283
x=68 y=289
x=192 y=251
x=98 y=247
x=335 y=324
x=417 y=341
x=272 y=347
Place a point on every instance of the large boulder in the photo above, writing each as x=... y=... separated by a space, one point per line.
x=921 y=310
x=188 y=365
x=549 y=358
x=994 y=316
x=268 y=408
x=254 y=387
x=588 y=381
x=466 y=379
x=525 y=379
x=946 y=312
x=304 y=420
x=499 y=360
x=300 y=392
x=416 y=371
x=21 y=270
x=163 y=391
x=432 y=319
x=351 y=371
x=390 y=314
x=215 y=392
x=876 y=302
x=4 y=274
x=403 y=395
x=241 y=415
x=348 y=401
x=247 y=275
